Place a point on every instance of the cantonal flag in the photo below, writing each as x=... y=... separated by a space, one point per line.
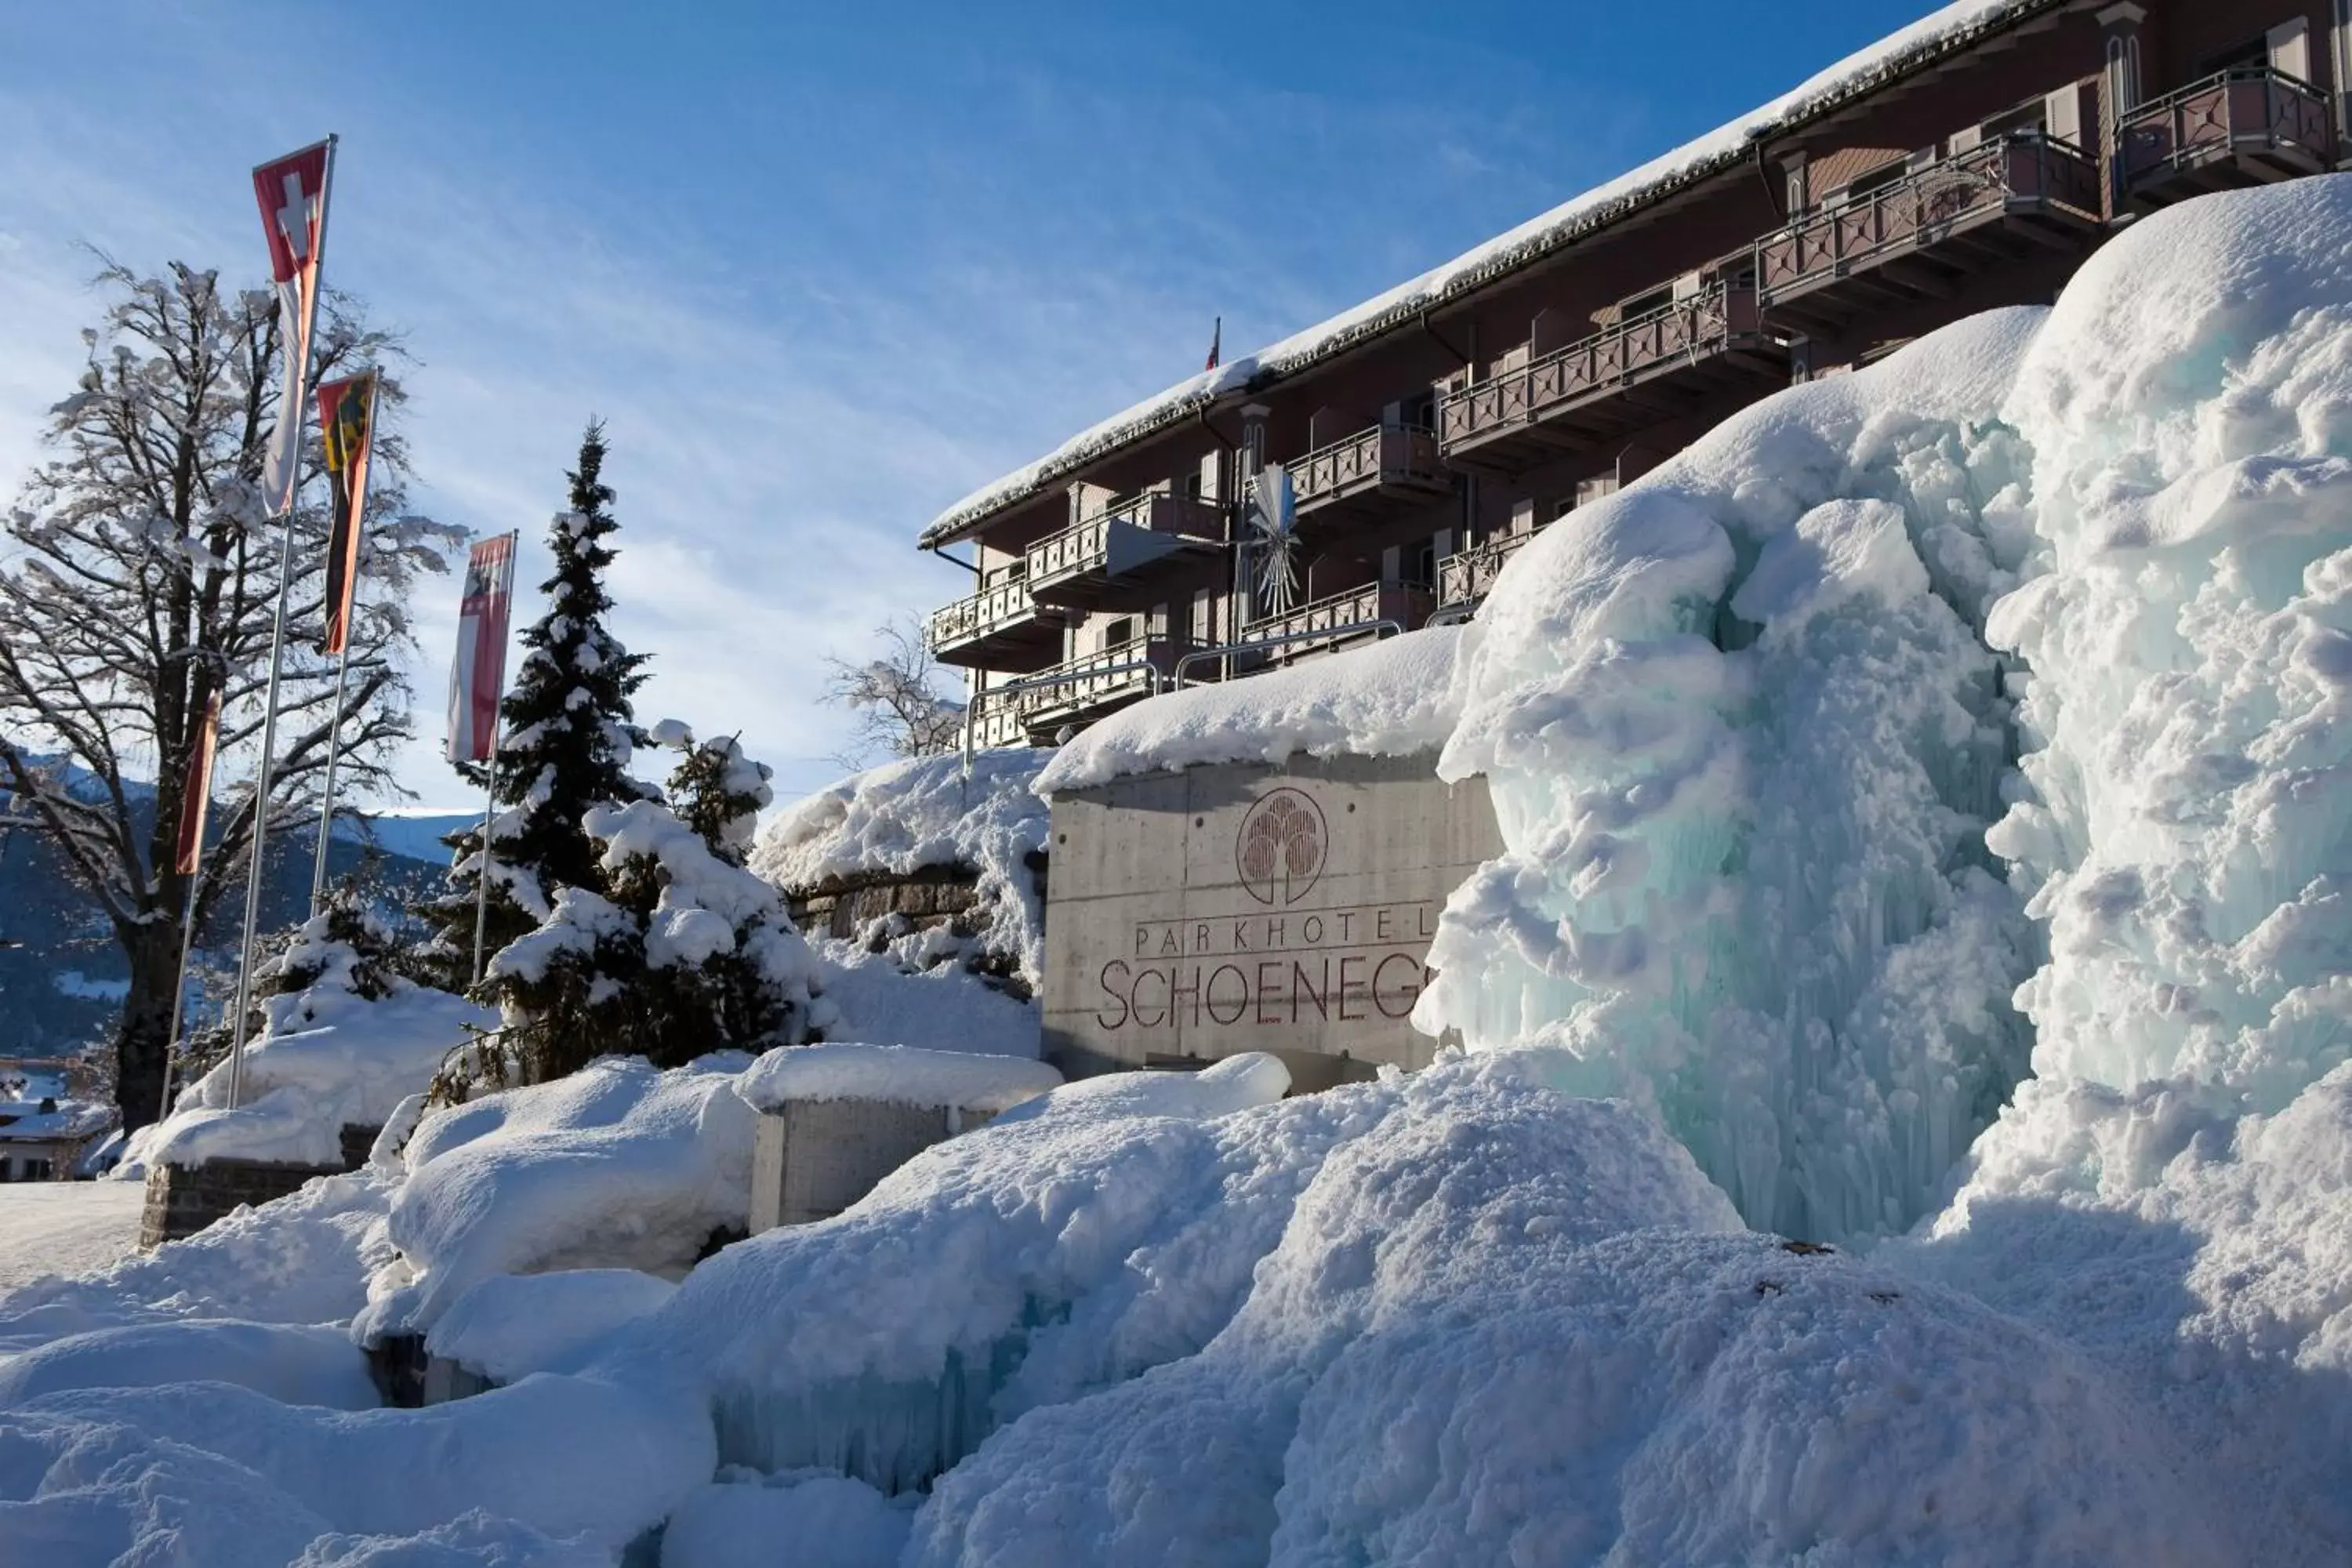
x=478 y=677
x=292 y=192
x=346 y=427
x=196 y=788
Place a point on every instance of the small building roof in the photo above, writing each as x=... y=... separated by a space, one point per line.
x=26 y=1120
x=1934 y=38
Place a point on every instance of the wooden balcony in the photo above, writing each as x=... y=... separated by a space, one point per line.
x=1637 y=373
x=1077 y=692
x=1469 y=575
x=1339 y=618
x=1372 y=476
x=2248 y=126
x=1922 y=235
x=1136 y=554
x=997 y=628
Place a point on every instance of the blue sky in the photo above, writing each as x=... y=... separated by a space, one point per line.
x=821 y=268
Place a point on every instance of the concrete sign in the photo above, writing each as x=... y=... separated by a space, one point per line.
x=1247 y=908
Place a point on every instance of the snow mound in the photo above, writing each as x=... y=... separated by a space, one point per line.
x=617 y=1166
x=1501 y=1325
x=1391 y=698
x=923 y=812
x=326 y=1057
x=563 y=1456
x=829 y=1519
x=512 y=1325
x=900 y=1074
x=294 y=1364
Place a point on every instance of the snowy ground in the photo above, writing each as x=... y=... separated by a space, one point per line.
x=64 y=1227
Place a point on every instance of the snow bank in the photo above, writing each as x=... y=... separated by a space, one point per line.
x=326 y=1057
x=902 y=998
x=294 y=1364
x=512 y=1325
x=900 y=1074
x=616 y=1166
x=564 y=1456
x=1501 y=1325
x=1391 y=698
x=828 y=1519
x=1725 y=147
x=305 y=1259
x=922 y=813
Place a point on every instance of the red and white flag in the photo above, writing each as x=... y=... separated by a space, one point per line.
x=347 y=430
x=478 y=677
x=196 y=789
x=293 y=196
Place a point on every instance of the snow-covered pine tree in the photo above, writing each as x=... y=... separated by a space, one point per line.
x=568 y=736
x=684 y=952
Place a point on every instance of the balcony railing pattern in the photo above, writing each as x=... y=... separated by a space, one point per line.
x=1707 y=322
x=990 y=610
x=2018 y=171
x=1077 y=687
x=1341 y=616
x=1122 y=537
x=2252 y=109
x=1467 y=576
x=1383 y=455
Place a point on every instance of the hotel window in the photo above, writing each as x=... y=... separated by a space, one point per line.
x=1118 y=633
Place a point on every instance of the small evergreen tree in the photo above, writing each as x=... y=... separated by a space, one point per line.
x=568 y=736
x=684 y=951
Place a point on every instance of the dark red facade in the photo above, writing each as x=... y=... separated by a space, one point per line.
x=1975 y=171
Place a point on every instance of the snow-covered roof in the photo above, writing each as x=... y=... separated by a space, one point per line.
x=1944 y=32
x=27 y=1121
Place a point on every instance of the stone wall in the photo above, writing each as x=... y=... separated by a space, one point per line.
x=184 y=1199
x=842 y=907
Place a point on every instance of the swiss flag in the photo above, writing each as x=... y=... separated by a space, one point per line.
x=292 y=192
x=293 y=196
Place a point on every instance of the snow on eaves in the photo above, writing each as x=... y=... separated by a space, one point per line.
x=1953 y=27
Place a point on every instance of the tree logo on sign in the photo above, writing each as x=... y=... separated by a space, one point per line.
x=1280 y=850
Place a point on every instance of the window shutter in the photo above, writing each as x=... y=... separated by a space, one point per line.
x=2062 y=116
x=2289 y=45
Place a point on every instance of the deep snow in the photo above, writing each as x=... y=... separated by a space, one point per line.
x=1926 y=811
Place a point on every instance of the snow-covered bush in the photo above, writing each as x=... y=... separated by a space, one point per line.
x=342 y=1040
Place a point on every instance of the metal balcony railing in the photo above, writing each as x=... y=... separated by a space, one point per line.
x=2025 y=171
x=2256 y=111
x=1718 y=316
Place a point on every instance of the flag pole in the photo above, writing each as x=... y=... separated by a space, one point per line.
x=292 y=402
x=342 y=677
x=482 y=876
x=180 y=991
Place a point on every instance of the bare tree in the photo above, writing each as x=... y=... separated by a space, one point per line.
x=140 y=577
x=899 y=712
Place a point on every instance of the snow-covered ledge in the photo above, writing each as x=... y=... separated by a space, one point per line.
x=836 y=1119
